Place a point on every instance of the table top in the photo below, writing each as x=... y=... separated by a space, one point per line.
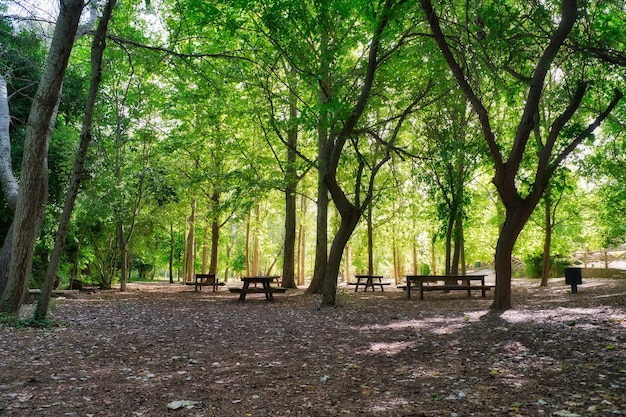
x=368 y=276
x=444 y=277
x=260 y=279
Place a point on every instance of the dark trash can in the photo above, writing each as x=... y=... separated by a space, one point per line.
x=573 y=277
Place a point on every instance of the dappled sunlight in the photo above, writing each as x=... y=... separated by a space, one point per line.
x=560 y=314
x=390 y=348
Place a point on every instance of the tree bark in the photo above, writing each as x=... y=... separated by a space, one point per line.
x=34 y=176
x=324 y=96
x=518 y=208
x=370 y=241
x=547 y=241
x=171 y=257
x=291 y=184
x=97 y=50
x=348 y=224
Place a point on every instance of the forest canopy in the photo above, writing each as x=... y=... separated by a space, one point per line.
x=310 y=139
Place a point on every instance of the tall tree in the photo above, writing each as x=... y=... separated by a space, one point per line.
x=555 y=76
x=33 y=179
x=97 y=51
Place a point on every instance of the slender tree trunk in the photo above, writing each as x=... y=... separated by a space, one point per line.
x=396 y=266
x=205 y=250
x=347 y=264
x=458 y=243
x=415 y=259
x=248 y=244
x=97 y=50
x=370 y=241
x=302 y=242
x=448 y=249
x=547 y=242
x=256 y=253
x=323 y=154
x=215 y=232
x=171 y=257
x=33 y=178
x=123 y=256
x=191 y=239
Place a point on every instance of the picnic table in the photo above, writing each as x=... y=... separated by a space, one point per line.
x=206 y=279
x=466 y=285
x=368 y=281
x=265 y=287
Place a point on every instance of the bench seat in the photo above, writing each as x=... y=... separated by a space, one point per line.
x=455 y=287
x=258 y=290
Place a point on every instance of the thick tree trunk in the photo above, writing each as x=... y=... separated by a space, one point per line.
x=348 y=224
x=33 y=178
x=514 y=222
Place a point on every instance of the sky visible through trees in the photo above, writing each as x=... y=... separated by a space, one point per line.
x=217 y=124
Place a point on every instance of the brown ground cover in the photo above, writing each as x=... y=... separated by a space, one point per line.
x=163 y=350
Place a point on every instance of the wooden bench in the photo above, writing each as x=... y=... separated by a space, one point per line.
x=381 y=284
x=206 y=279
x=420 y=280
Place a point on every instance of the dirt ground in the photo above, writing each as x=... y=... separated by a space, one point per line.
x=164 y=350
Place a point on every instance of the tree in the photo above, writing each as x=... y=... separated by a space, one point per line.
x=555 y=76
x=33 y=179
x=97 y=50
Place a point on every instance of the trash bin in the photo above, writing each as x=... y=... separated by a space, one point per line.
x=573 y=277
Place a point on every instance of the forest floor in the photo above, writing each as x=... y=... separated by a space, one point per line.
x=165 y=350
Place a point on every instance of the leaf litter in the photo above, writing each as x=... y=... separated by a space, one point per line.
x=166 y=350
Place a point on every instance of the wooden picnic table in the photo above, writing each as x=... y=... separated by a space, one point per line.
x=265 y=287
x=206 y=279
x=368 y=281
x=467 y=280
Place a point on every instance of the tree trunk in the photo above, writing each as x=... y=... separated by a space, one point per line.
x=547 y=242
x=34 y=175
x=302 y=242
x=215 y=242
x=324 y=95
x=123 y=256
x=248 y=245
x=97 y=50
x=191 y=239
x=370 y=242
x=171 y=257
x=205 y=250
x=215 y=232
x=256 y=251
x=289 y=256
x=513 y=224
x=348 y=224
